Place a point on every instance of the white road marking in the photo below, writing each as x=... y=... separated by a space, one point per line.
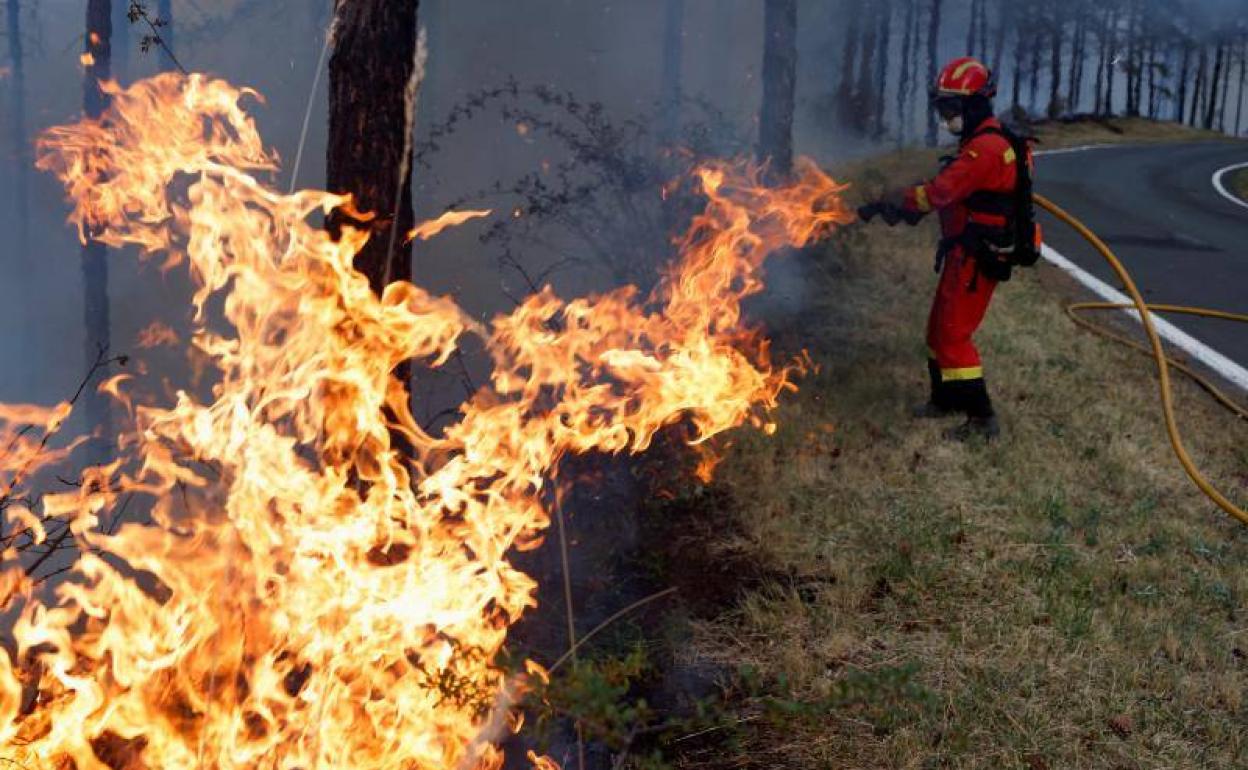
x=1221 y=188
x=1080 y=148
x=1225 y=367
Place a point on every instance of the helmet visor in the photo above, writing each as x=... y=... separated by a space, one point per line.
x=947 y=106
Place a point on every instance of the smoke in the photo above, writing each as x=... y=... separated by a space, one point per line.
x=601 y=50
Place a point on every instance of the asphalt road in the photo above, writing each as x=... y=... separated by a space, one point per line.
x=1157 y=208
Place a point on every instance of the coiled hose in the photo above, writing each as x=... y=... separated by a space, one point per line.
x=1154 y=349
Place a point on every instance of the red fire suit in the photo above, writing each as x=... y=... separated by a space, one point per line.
x=985 y=163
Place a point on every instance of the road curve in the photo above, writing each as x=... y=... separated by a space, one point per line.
x=1157 y=207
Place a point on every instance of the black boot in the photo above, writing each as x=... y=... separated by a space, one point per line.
x=981 y=420
x=941 y=402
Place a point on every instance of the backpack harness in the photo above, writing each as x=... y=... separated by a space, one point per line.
x=1001 y=230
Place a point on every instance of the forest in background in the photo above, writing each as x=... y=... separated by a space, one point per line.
x=1176 y=60
x=844 y=77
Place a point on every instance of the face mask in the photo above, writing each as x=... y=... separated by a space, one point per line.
x=954 y=125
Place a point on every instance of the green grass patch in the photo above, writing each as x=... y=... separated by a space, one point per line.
x=1238 y=183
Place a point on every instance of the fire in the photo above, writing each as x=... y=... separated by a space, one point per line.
x=305 y=595
x=426 y=230
x=156 y=334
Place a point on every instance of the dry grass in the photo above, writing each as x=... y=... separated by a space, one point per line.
x=1063 y=598
x=1116 y=130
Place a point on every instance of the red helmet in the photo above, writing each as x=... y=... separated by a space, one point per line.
x=965 y=76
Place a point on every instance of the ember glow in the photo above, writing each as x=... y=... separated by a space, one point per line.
x=305 y=595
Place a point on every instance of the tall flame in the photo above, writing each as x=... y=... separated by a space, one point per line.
x=306 y=595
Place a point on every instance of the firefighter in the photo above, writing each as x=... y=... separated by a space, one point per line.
x=975 y=196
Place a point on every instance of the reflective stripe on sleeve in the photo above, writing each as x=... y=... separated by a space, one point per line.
x=920 y=198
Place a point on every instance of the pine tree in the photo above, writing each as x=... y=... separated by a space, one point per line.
x=1211 y=108
x=164 y=10
x=369 y=145
x=881 y=67
x=1057 y=33
x=1226 y=88
x=1005 y=14
x=1184 y=67
x=673 y=55
x=1078 y=40
x=972 y=29
x=1021 y=20
x=121 y=40
x=17 y=125
x=908 y=44
x=1243 y=78
x=849 y=57
x=1112 y=56
x=95 y=309
x=775 y=124
x=933 y=63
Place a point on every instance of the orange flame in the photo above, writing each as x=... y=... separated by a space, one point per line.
x=156 y=334
x=305 y=595
x=426 y=230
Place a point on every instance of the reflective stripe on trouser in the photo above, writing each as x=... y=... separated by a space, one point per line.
x=965 y=395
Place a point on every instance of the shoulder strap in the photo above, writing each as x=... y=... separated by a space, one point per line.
x=1022 y=185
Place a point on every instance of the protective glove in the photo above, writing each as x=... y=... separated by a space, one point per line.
x=896 y=198
x=889 y=213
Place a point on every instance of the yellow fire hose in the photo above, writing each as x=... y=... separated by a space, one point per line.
x=1154 y=349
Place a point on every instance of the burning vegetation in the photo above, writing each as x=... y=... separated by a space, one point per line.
x=322 y=583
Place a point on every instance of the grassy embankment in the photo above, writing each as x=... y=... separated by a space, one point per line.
x=1063 y=598
x=1239 y=183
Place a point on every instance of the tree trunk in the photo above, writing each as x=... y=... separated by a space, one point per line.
x=983 y=30
x=849 y=55
x=1152 y=65
x=903 y=81
x=369 y=146
x=1198 y=88
x=673 y=56
x=1112 y=40
x=933 y=64
x=1181 y=97
x=1211 y=110
x=917 y=88
x=164 y=11
x=121 y=41
x=1033 y=72
x=1019 y=51
x=1141 y=59
x=1056 y=38
x=972 y=29
x=17 y=125
x=1132 y=64
x=881 y=67
x=1076 y=61
x=1004 y=15
x=862 y=106
x=1243 y=77
x=1102 y=65
x=1226 y=88
x=95 y=310
x=775 y=120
